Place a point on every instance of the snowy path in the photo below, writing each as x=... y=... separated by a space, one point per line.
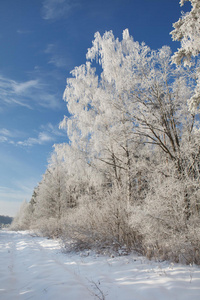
x=30 y=271
x=35 y=268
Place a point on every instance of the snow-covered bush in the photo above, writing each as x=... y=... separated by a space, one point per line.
x=101 y=224
x=49 y=227
x=169 y=218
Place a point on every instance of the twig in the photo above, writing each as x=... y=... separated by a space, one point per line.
x=99 y=294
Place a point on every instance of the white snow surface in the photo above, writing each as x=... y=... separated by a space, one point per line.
x=36 y=268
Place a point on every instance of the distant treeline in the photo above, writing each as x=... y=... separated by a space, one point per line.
x=5 y=220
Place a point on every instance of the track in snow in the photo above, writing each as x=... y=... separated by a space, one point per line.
x=35 y=268
x=28 y=270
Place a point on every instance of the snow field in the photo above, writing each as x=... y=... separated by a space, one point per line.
x=36 y=268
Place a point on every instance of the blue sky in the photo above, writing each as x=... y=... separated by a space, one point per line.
x=41 y=41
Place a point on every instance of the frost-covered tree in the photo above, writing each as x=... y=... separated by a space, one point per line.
x=22 y=220
x=79 y=174
x=67 y=179
x=50 y=202
x=137 y=99
x=130 y=173
x=98 y=127
x=132 y=120
x=187 y=31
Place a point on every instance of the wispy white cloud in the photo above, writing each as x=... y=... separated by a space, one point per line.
x=49 y=134
x=56 y=9
x=6 y=132
x=22 y=87
x=53 y=130
x=8 y=136
x=58 y=61
x=17 y=194
x=56 y=58
x=41 y=139
x=50 y=48
x=7 y=94
x=19 y=31
x=3 y=139
x=27 y=94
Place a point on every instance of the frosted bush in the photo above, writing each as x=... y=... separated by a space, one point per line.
x=169 y=228
x=101 y=224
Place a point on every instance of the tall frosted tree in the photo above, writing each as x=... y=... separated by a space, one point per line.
x=50 y=203
x=187 y=31
x=137 y=99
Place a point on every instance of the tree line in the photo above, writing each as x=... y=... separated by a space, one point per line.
x=129 y=176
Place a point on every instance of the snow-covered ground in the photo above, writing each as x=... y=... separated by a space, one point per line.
x=35 y=268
